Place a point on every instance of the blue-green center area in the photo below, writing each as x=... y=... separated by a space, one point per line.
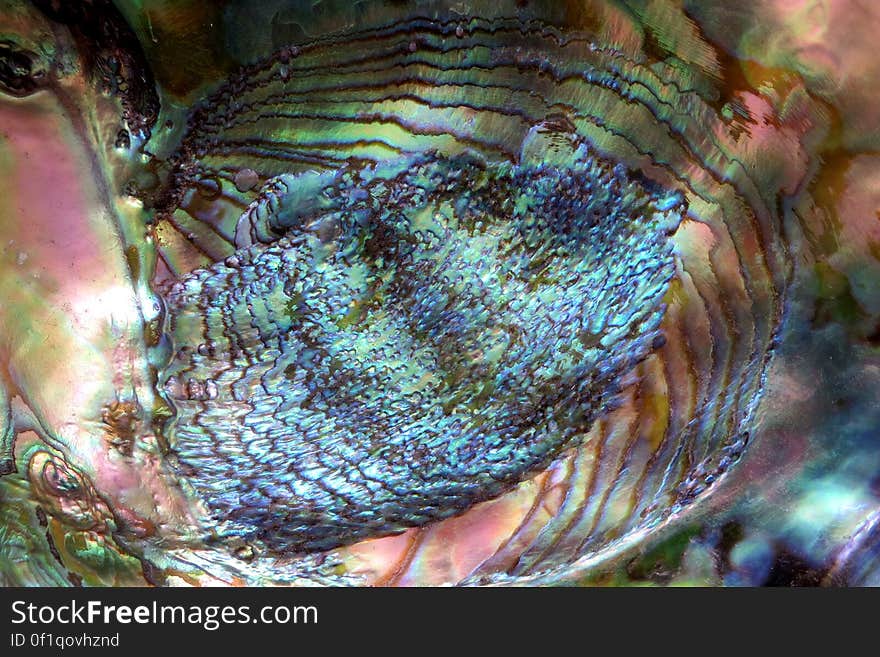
x=423 y=336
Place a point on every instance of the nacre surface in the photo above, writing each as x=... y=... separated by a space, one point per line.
x=386 y=293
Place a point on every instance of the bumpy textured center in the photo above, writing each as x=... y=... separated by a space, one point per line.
x=425 y=334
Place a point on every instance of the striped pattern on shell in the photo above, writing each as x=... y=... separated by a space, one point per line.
x=280 y=223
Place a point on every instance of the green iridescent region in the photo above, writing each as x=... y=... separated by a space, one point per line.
x=421 y=345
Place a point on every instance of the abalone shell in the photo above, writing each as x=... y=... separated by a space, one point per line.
x=386 y=293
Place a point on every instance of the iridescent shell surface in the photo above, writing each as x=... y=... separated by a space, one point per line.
x=388 y=293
